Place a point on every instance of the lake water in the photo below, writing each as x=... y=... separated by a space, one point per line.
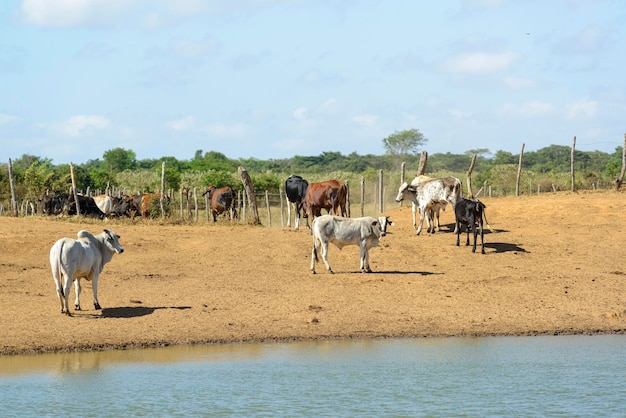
x=560 y=376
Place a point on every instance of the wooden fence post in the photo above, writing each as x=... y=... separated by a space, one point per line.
x=572 y=162
x=468 y=175
x=402 y=173
x=282 y=208
x=519 y=171
x=12 y=182
x=162 y=200
x=620 y=179
x=267 y=204
x=362 y=195
x=423 y=161
x=74 y=189
x=195 y=203
x=381 y=203
x=249 y=187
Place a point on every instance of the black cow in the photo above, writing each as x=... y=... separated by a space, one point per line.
x=470 y=213
x=295 y=189
x=87 y=205
x=122 y=206
x=221 y=200
x=53 y=204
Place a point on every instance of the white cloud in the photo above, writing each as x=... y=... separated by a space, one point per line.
x=76 y=126
x=480 y=62
x=300 y=113
x=588 y=41
x=329 y=103
x=6 y=119
x=67 y=13
x=582 y=108
x=460 y=114
x=225 y=131
x=528 y=109
x=518 y=83
x=365 y=120
x=181 y=124
x=482 y=4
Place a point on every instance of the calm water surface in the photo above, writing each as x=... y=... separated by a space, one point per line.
x=565 y=376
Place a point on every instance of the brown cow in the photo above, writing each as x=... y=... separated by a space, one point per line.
x=329 y=195
x=149 y=199
x=222 y=200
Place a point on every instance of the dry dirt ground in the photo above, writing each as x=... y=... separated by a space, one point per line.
x=555 y=264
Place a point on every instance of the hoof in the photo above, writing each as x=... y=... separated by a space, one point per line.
x=97 y=306
x=77 y=307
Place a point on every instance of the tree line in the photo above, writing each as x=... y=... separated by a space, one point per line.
x=119 y=168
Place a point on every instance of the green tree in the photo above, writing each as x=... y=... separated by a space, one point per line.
x=37 y=178
x=119 y=159
x=403 y=143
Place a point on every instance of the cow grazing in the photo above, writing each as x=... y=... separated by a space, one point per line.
x=87 y=205
x=330 y=195
x=222 y=200
x=429 y=195
x=85 y=257
x=364 y=232
x=295 y=189
x=470 y=213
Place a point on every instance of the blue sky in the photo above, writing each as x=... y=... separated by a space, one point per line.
x=278 y=78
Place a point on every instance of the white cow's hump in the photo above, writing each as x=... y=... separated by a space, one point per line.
x=85 y=234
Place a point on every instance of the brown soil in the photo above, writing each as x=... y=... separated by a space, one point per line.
x=555 y=264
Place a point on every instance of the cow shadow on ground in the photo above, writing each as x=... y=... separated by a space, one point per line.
x=391 y=272
x=450 y=229
x=505 y=247
x=135 y=311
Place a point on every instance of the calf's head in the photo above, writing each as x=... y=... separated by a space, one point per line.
x=383 y=222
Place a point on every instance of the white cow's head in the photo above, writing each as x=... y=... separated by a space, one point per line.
x=405 y=192
x=112 y=241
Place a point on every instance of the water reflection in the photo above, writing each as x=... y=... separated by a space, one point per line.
x=496 y=376
x=76 y=362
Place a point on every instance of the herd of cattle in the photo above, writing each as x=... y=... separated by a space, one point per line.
x=427 y=195
x=85 y=257
x=103 y=206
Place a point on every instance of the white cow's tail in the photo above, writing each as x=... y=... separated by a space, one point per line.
x=59 y=270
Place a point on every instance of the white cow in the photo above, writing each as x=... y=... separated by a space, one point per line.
x=104 y=202
x=85 y=257
x=364 y=232
x=430 y=195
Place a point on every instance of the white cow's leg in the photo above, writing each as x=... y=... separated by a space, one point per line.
x=365 y=260
x=422 y=214
x=297 y=216
x=96 y=304
x=413 y=210
x=58 y=284
x=66 y=295
x=325 y=256
x=289 y=212
x=77 y=290
x=437 y=224
x=314 y=252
